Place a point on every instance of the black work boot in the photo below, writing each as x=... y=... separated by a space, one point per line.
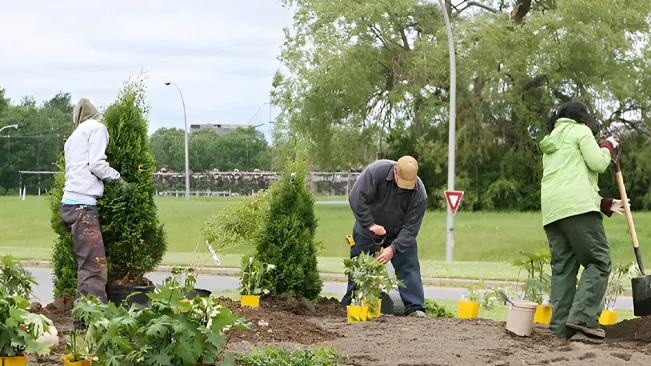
x=590 y=332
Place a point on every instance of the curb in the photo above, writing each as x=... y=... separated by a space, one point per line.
x=333 y=277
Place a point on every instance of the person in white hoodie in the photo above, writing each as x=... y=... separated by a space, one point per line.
x=86 y=172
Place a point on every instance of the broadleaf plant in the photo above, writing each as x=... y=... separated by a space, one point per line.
x=19 y=329
x=537 y=286
x=15 y=278
x=173 y=330
x=371 y=278
x=252 y=275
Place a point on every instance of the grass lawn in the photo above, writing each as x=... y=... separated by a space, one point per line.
x=484 y=241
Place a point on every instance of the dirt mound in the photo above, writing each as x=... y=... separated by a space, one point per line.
x=630 y=330
x=324 y=307
x=281 y=319
x=59 y=312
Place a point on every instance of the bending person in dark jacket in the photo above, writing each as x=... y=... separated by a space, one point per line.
x=389 y=199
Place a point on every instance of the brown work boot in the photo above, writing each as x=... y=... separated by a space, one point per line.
x=590 y=332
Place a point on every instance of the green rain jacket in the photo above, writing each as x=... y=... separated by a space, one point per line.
x=572 y=162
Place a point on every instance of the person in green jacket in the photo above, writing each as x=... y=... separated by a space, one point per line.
x=571 y=207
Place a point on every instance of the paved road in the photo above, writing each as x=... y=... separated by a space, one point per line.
x=215 y=283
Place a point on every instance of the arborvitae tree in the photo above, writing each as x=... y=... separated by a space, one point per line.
x=287 y=239
x=134 y=239
x=63 y=253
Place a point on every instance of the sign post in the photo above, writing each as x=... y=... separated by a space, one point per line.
x=452 y=129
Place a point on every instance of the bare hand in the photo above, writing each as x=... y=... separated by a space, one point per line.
x=378 y=230
x=618 y=206
x=385 y=256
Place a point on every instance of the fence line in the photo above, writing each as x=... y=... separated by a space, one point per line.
x=222 y=184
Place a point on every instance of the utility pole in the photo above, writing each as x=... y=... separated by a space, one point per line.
x=187 y=159
x=449 y=248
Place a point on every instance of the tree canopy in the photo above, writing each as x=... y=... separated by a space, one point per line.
x=370 y=79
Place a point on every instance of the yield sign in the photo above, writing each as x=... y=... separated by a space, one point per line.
x=454 y=200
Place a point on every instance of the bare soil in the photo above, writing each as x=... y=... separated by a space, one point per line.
x=396 y=341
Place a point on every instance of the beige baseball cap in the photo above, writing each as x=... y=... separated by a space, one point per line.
x=406 y=172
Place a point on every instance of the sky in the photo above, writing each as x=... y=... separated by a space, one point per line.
x=222 y=54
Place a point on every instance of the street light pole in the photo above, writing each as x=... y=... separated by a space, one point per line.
x=187 y=160
x=452 y=132
x=247 y=143
x=9 y=126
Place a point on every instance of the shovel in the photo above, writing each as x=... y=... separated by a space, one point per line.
x=641 y=285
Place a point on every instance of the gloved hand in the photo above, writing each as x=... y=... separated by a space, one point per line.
x=126 y=187
x=618 y=206
x=613 y=140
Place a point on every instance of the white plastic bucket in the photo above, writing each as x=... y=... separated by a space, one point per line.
x=519 y=318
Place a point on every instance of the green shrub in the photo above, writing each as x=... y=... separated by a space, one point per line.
x=436 y=310
x=64 y=258
x=134 y=239
x=287 y=237
x=237 y=224
x=273 y=356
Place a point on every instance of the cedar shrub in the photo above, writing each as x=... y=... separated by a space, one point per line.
x=287 y=237
x=133 y=236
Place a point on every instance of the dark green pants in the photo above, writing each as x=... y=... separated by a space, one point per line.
x=578 y=241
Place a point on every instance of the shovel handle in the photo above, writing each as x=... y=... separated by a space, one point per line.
x=624 y=196
x=627 y=209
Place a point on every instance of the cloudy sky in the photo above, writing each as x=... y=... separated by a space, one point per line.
x=221 y=53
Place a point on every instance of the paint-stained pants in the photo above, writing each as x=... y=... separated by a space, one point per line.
x=407 y=270
x=83 y=222
x=578 y=241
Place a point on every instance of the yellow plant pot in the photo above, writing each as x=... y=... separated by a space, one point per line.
x=356 y=313
x=252 y=301
x=543 y=314
x=13 y=361
x=75 y=363
x=468 y=309
x=608 y=317
x=378 y=313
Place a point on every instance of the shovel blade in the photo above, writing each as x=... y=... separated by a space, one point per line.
x=641 y=295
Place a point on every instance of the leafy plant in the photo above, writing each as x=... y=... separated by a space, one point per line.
x=493 y=297
x=436 y=310
x=237 y=224
x=615 y=288
x=78 y=349
x=15 y=278
x=251 y=276
x=172 y=331
x=370 y=278
x=287 y=236
x=19 y=329
x=273 y=356
x=474 y=288
x=537 y=286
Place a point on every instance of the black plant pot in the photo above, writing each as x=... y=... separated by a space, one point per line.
x=134 y=295
x=198 y=293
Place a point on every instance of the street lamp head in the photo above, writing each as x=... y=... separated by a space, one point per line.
x=167 y=83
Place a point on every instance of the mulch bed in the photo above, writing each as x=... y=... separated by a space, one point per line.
x=278 y=319
x=286 y=321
